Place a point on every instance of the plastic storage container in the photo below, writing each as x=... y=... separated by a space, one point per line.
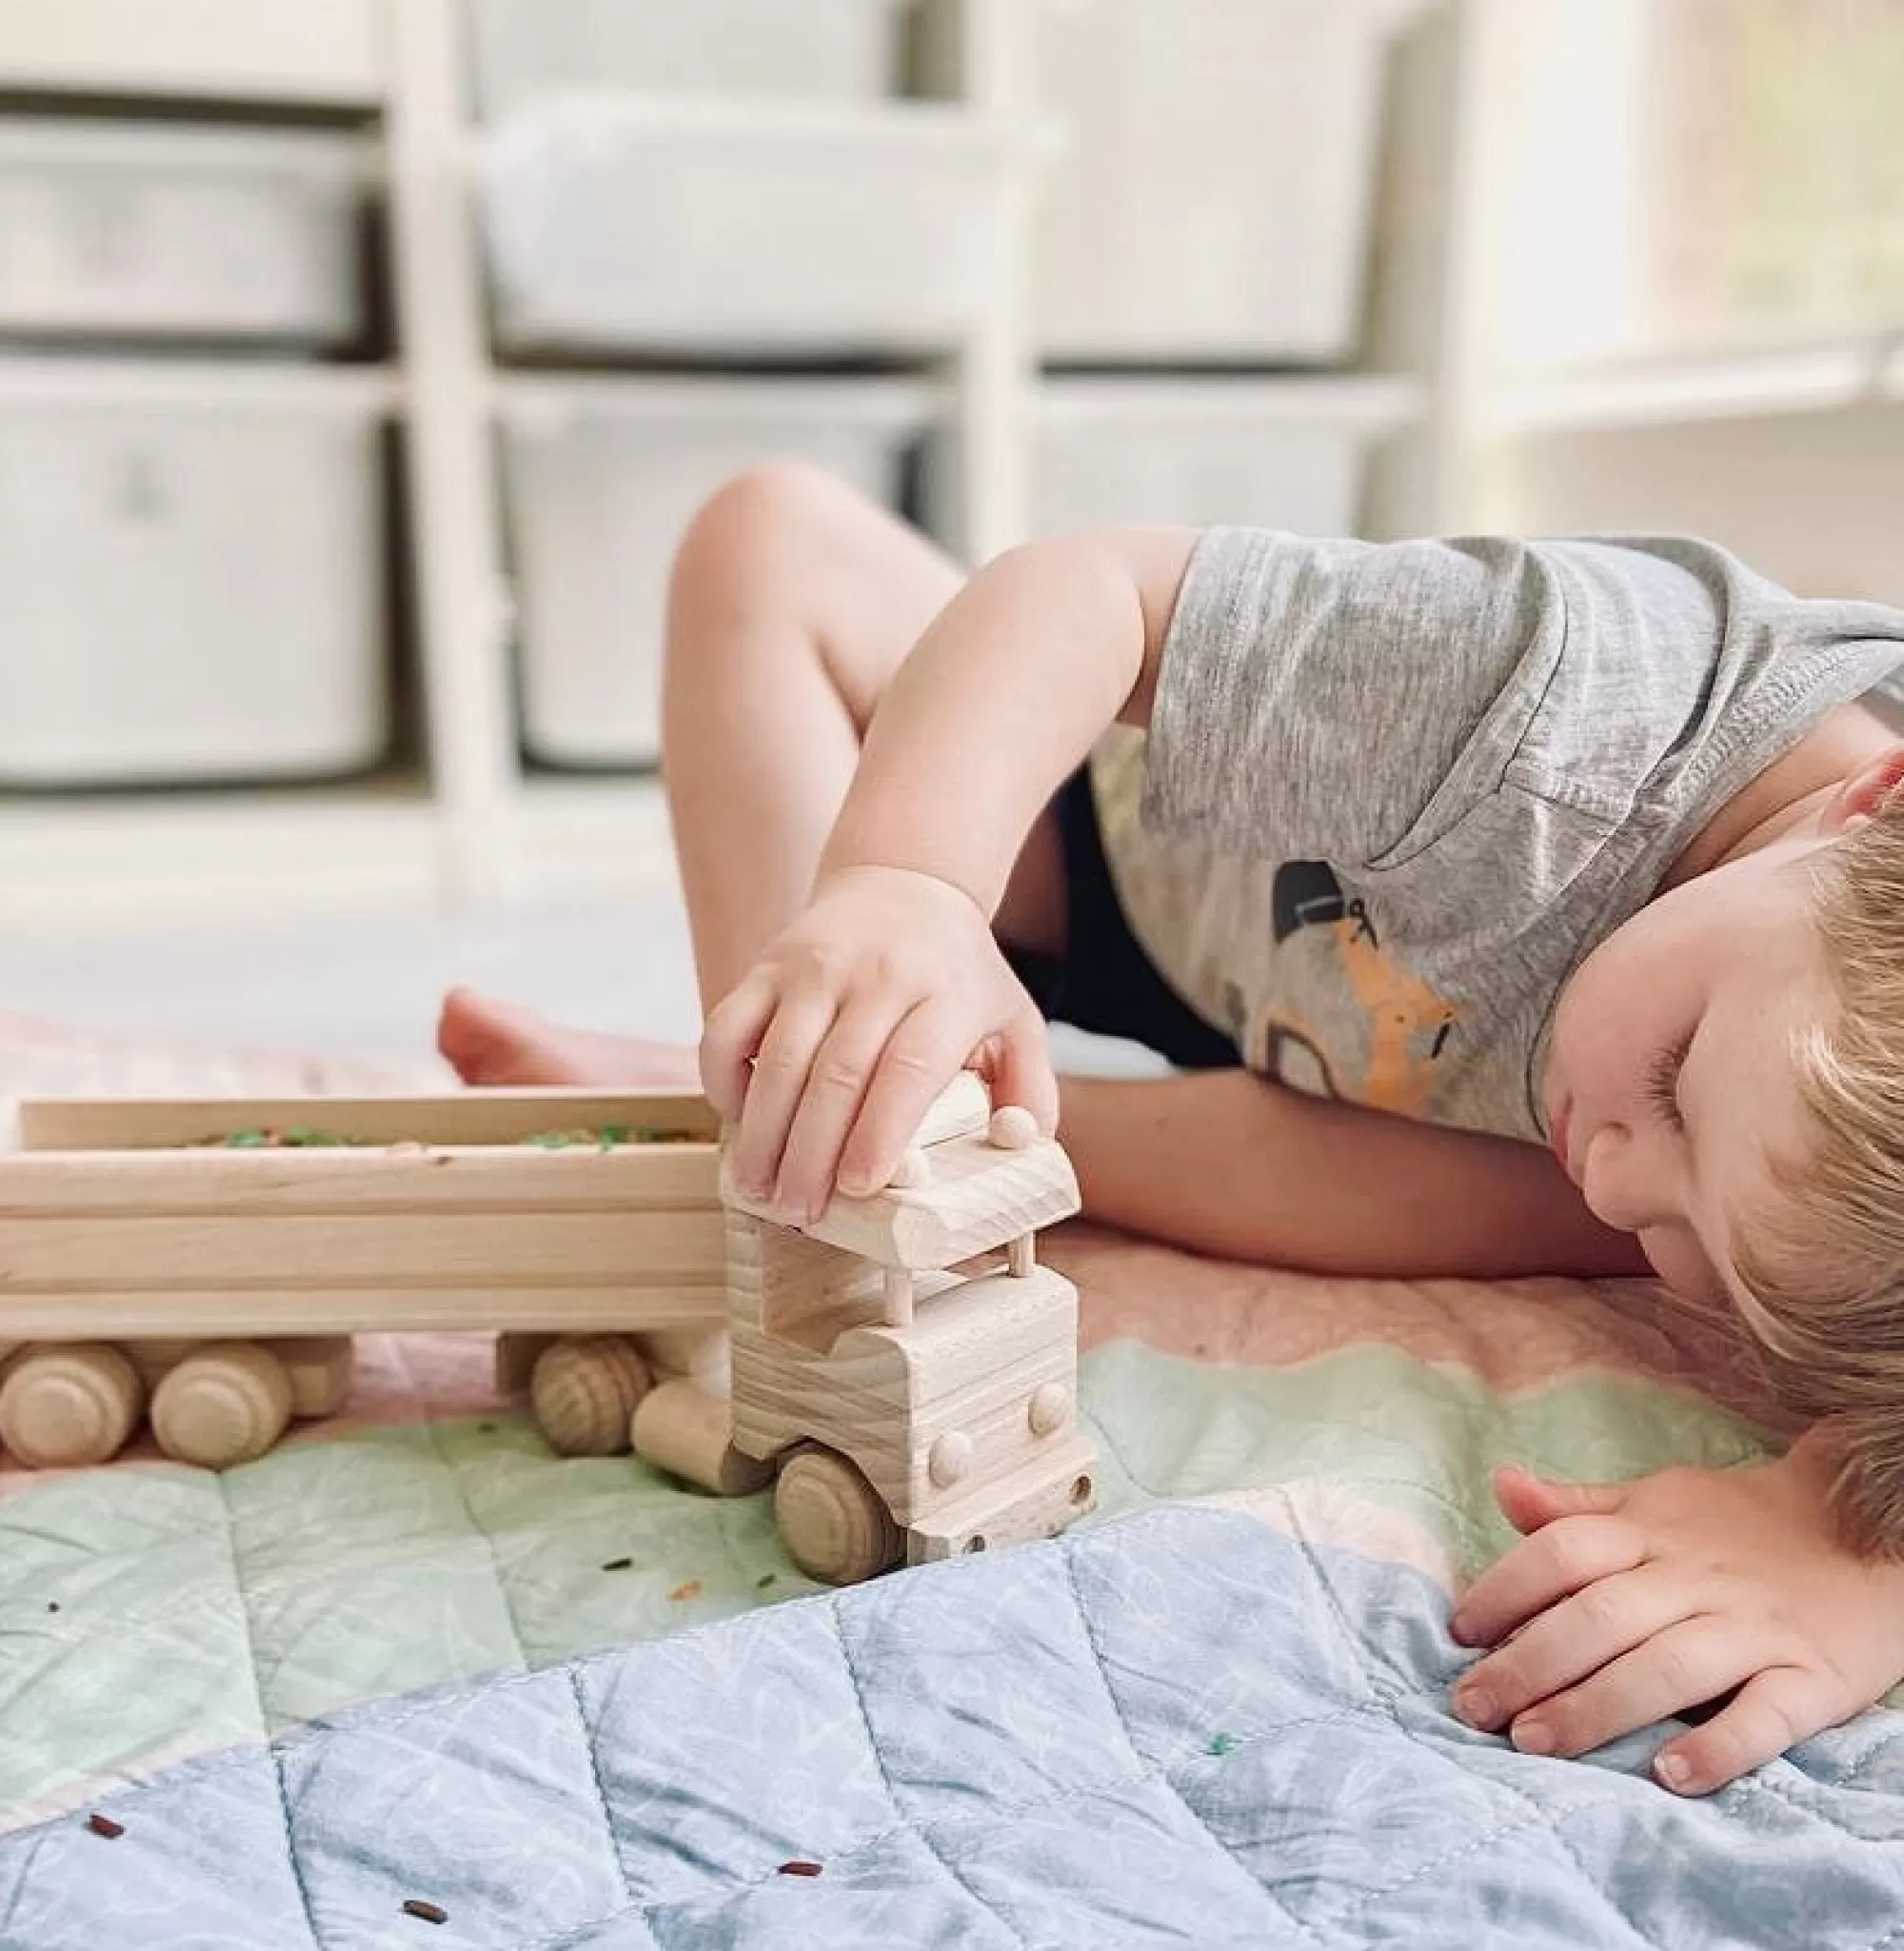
x=600 y=480
x=1286 y=454
x=1275 y=453
x=620 y=224
x=192 y=575
x=1214 y=197
x=150 y=231
x=830 y=49
x=228 y=51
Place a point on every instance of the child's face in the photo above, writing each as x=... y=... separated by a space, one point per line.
x=1670 y=1084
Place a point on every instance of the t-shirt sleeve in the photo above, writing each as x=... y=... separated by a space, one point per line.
x=1339 y=700
x=1353 y=702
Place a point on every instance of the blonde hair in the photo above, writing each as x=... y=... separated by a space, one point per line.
x=1824 y=1276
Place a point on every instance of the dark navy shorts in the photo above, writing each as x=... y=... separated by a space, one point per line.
x=1103 y=982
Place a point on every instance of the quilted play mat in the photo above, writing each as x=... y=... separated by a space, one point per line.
x=413 y=1680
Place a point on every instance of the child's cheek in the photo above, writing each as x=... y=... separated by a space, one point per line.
x=1680 y=1260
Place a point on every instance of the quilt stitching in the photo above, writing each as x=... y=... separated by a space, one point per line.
x=1067 y=1553
x=1881 y=1745
x=1387 y=1701
x=604 y=1807
x=1763 y=1783
x=1362 y=1899
x=254 y=1668
x=944 y=1862
x=1580 y=1863
x=505 y=1591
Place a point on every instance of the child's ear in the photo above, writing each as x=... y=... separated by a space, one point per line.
x=1865 y=791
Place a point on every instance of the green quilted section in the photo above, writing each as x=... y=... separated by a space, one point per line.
x=150 y=1613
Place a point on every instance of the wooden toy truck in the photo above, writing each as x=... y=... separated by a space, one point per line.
x=124 y=1221
x=905 y=1367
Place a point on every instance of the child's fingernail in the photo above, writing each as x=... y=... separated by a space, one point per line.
x=1474 y=1704
x=1671 y=1770
x=1533 y=1737
x=1458 y=1631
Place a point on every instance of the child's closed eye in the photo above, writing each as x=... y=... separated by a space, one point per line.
x=1663 y=1083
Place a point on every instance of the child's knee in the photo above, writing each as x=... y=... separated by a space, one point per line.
x=760 y=528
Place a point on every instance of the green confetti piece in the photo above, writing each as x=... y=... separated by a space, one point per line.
x=1222 y=1745
x=247 y=1141
x=610 y=1136
x=551 y=1141
x=766 y=1580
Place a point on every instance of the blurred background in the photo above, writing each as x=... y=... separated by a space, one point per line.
x=361 y=360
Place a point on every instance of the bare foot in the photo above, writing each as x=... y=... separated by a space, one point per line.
x=40 y=1058
x=490 y=1042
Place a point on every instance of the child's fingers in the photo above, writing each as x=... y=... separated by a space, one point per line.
x=1021 y=1070
x=1561 y=1647
x=1528 y=1501
x=1555 y=1562
x=782 y=1066
x=836 y=1087
x=1774 y=1710
x=729 y=1039
x=924 y=1055
x=1689 y=1663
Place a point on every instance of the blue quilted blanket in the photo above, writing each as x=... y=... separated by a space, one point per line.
x=1183 y=1728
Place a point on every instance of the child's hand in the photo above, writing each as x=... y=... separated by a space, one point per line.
x=1635 y=1602
x=835 y=1044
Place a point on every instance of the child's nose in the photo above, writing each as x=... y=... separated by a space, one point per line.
x=1622 y=1179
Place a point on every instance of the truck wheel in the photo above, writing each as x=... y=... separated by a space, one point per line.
x=834 y=1525
x=585 y=1392
x=68 y=1405
x=224 y=1405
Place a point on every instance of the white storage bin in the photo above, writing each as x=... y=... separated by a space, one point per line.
x=600 y=482
x=191 y=581
x=289 y=51
x=624 y=224
x=150 y=231
x=1285 y=454
x=1271 y=453
x=831 y=49
x=1214 y=197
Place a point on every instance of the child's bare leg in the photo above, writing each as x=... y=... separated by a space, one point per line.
x=793 y=603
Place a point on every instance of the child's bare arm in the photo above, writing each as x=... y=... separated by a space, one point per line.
x=1001 y=700
x=832 y=1046
x=1228 y=1164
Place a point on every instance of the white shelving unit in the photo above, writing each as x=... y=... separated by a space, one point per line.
x=1495 y=440
x=474 y=827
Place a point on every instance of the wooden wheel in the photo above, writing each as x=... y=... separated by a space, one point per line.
x=585 y=1392
x=224 y=1405
x=834 y=1525
x=68 y=1405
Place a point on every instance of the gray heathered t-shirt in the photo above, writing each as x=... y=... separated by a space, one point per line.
x=1393 y=794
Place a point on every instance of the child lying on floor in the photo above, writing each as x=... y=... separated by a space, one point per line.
x=1506 y=909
